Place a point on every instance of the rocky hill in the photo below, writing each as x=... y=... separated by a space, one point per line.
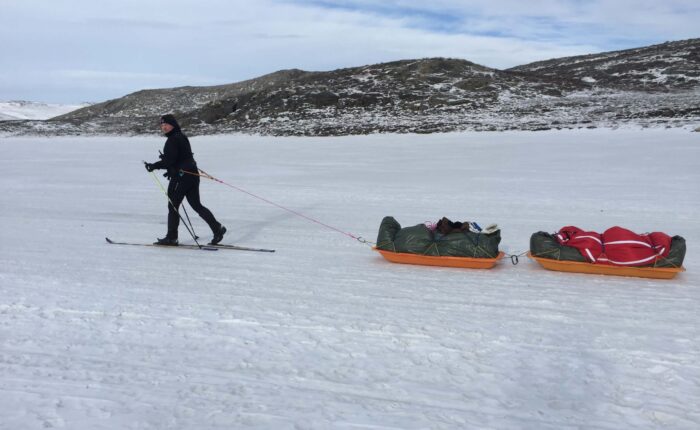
x=665 y=67
x=655 y=85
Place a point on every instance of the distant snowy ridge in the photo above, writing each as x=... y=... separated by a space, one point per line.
x=20 y=109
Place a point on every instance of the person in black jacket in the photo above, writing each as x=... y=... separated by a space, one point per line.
x=177 y=158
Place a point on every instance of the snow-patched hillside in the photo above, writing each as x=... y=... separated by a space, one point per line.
x=14 y=110
x=325 y=334
x=649 y=86
x=671 y=65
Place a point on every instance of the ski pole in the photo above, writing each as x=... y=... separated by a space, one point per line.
x=189 y=221
x=185 y=209
x=155 y=178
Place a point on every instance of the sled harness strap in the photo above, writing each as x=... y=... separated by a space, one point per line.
x=206 y=175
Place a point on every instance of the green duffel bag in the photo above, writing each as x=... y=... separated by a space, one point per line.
x=545 y=245
x=387 y=233
x=415 y=240
x=469 y=244
x=675 y=256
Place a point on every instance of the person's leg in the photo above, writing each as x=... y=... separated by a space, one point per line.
x=193 y=200
x=176 y=193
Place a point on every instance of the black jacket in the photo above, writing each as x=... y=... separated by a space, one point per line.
x=177 y=155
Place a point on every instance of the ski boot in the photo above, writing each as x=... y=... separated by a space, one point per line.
x=218 y=236
x=166 y=241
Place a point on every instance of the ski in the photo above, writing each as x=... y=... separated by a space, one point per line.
x=193 y=246
x=240 y=248
x=181 y=246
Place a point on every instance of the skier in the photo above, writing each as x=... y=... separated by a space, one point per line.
x=177 y=157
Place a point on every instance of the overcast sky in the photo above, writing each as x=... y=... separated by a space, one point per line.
x=70 y=51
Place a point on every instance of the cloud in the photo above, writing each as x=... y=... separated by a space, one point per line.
x=573 y=20
x=105 y=76
x=99 y=50
x=129 y=24
x=411 y=15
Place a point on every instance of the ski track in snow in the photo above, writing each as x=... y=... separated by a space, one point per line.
x=324 y=333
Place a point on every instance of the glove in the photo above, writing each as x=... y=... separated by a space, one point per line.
x=149 y=166
x=166 y=175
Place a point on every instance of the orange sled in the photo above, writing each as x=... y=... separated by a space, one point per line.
x=602 y=269
x=428 y=260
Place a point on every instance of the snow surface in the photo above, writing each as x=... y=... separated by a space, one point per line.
x=324 y=333
x=14 y=110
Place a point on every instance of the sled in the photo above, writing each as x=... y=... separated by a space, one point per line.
x=603 y=269
x=428 y=260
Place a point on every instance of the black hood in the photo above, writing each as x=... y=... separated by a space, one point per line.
x=170 y=119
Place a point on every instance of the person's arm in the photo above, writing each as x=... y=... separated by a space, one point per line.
x=167 y=159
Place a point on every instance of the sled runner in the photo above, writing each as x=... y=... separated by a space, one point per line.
x=605 y=269
x=429 y=260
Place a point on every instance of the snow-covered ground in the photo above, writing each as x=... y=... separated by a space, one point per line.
x=324 y=333
x=13 y=110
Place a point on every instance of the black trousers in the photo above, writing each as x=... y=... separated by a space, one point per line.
x=179 y=188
